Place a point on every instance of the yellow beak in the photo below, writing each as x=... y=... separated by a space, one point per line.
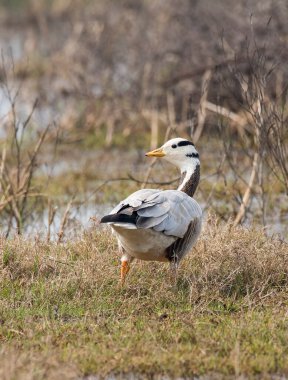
x=156 y=153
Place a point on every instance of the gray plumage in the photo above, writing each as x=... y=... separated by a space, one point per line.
x=163 y=225
x=168 y=211
x=176 y=251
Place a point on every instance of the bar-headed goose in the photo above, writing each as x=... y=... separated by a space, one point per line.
x=160 y=225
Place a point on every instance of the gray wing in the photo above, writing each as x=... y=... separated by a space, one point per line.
x=168 y=211
x=182 y=246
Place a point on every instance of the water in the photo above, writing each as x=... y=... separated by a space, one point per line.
x=82 y=218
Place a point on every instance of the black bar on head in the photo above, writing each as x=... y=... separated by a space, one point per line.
x=194 y=155
x=184 y=143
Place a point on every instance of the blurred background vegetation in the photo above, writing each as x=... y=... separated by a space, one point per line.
x=87 y=86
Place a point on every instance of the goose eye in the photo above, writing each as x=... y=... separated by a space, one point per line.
x=174 y=146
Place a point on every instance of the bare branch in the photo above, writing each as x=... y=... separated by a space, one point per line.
x=247 y=193
x=201 y=114
x=64 y=221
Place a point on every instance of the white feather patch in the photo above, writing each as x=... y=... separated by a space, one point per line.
x=127 y=226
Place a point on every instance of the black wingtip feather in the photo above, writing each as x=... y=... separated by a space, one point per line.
x=119 y=218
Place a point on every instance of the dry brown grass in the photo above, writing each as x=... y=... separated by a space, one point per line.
x=63 y=314
x=239 y=263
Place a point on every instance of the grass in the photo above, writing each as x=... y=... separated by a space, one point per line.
x=63 y=314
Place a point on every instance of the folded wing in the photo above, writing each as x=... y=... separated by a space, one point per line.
x=169 y=211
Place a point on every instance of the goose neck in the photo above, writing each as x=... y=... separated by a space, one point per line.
x=190 y=176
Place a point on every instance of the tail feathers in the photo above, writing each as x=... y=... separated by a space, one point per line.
x=119 y=218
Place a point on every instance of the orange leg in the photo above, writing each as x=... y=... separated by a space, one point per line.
x=125 y=267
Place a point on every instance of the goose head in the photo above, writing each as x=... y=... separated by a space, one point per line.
x=179 y=152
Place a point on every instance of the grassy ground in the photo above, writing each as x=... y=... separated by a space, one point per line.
x=63 y=314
